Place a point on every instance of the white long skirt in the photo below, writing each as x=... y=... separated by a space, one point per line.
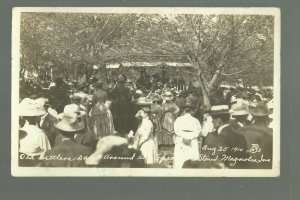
x=149 y=151
x=184 y=152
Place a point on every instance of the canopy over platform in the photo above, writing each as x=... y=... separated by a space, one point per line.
x=147 y=64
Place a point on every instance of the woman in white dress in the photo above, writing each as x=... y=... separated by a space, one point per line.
x=145 y=138
x=187 y=129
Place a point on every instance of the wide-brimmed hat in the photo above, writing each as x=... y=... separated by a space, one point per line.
x=239 y=109
x=143 y=101
x=70 y=123
x=31 y=150
x=72 y=108
x=261 y=109
x=30 y=107
x=43 y=101
x=155 y=97
x=219 y=109
x=167 y=95
x=76 y=96
x=104 y=145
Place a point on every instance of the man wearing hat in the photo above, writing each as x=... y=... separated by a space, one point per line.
x=259 y=135
x=239 y=113
x=187 y=129
x=68 y=153
x=84 y=136
x=47 y=121
x=80 y=94
x=225 y=137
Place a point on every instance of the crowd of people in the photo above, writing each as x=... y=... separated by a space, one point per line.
x=123 y=124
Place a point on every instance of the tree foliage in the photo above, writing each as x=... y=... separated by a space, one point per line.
x=221 y=48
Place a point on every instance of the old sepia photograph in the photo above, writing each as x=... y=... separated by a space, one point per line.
x=158 y=92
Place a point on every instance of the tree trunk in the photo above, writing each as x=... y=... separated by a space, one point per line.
x=206 y=101
x=213 y=80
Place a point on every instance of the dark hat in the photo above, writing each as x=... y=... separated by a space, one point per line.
x=183 y=94
x=219 y=109
x=94 y=80
x=146 y=109
x=99 y=84
x=261 y=109
x=76 y=97
x=81 y=85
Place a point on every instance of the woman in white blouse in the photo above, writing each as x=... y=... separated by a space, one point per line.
x=145 y=137
x=187 y=129
x=31 y=110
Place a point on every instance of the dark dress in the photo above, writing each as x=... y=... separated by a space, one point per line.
x=123 y=109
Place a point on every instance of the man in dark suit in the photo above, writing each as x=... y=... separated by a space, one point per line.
x=225 y=140
x=46 y=122
x=259 y=137
x=68 y=153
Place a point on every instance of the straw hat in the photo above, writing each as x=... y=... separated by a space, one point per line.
x=261 y=109
x=31 y=150
x=30 y=107
x=72 y=108
x=104 y=145
x=43 y=101
x=143 y=101
x=219 y=109
x=167 y=95
x=239 y=109
x=70 y=123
